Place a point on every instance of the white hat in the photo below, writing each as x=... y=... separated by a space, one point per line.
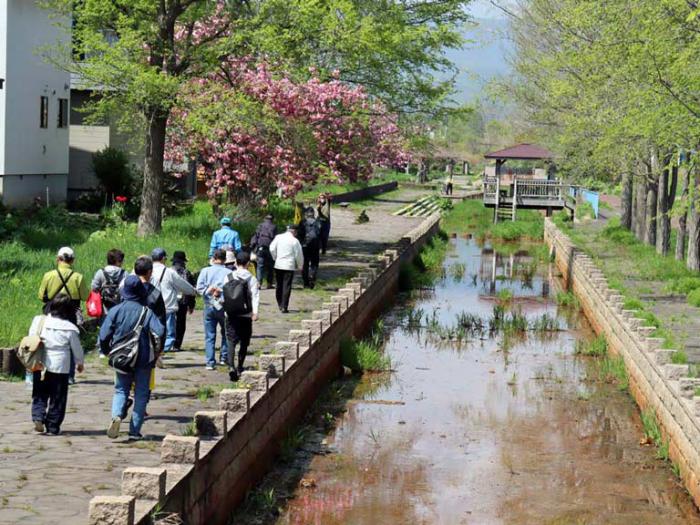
x=66 y=253
x=230 y=257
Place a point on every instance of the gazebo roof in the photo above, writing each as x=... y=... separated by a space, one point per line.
x=522 y=152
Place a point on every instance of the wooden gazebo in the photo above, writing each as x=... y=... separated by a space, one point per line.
x=536 y=188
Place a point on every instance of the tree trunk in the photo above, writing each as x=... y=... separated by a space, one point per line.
x=652 y=198
x=151 y=216
x=626 y=200
x=663 y=237
x=641 y=207
x=693 y=260
x=683 y=218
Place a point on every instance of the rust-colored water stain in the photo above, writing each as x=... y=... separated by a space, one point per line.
x=489 y=431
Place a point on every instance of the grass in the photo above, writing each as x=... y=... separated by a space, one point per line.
x=652 y=431
x=568 y=300
x=612 y=370
x=472 y=217
x=597 y=347
x=679 y=358
x=31 y=240
x=366 y=355
x=426 y=266
x=190 y=429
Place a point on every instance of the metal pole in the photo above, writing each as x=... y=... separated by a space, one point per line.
x=515 y=195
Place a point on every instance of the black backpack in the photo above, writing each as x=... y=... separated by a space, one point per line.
x=110 y=289
x=311 y=231
x=236 y=297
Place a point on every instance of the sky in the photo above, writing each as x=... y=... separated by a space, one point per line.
x=485 y=58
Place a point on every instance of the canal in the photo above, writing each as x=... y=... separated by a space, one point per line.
x=490 y=415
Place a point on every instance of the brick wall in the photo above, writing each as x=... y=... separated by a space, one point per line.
x=655 y=383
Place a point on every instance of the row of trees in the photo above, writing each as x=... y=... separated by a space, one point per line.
x=266 y=93
x=615 y=88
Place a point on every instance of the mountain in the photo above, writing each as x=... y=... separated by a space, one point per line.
x=482 y=58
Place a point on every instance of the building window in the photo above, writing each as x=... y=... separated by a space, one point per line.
x=62 y=112
x=44 y=112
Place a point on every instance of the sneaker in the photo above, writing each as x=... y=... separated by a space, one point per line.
x=53 y=432
x=100 y=355
x=210 y=367
x=113 y=430
x=223 y=362
x=176 y=350
x=135 y=437
x=159 y=362
x=71 y=380
x=39 y=427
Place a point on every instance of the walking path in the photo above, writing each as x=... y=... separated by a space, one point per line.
x=47 y=479
x=680 y=321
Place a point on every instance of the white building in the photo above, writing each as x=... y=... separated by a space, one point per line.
x=34 y=108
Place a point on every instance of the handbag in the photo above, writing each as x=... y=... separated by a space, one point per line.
x=94 y=304
x=125 y=352
x=31 y=352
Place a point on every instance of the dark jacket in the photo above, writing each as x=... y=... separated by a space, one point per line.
x=188 y=301
x=309 y=232
x=263 y=235
x=121 y=320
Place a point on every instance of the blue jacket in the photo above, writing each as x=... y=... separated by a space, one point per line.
x=223 y=238
x=121 y=320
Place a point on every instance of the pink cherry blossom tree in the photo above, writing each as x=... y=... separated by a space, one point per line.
x=254 y=131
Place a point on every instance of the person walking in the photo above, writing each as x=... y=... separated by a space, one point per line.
x=224 y=238
x=323 y=208
x=185 y=303
x=170 y=284
x=120 y=324
x=210 y=285
x=61 y=339
x=64 y=279
x=108 y=280
x=241 y=307
x=310 y=236
x=260 y=245
x=288 y=255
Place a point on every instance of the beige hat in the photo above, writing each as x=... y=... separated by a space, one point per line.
x=230 y=257
x=66 y=253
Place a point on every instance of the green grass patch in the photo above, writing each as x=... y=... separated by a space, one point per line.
x=684 y=285
x=568 y=299
x=652 y=431
x=473 y=217
x=366 y=355
x=426 y=267
x=597 y=347
x=679 y=357
x=694 y=298
x=612 y=370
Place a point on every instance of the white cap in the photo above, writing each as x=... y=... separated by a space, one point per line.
x=66 y=253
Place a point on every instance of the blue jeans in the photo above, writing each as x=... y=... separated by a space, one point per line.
x=170 y=330
x=214 y=319
x=122 y=389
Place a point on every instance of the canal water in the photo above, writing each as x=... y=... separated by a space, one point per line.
x=482 y=425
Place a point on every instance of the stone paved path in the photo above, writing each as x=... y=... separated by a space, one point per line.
x=51 y=479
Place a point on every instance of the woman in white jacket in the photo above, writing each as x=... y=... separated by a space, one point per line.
x=50 y=388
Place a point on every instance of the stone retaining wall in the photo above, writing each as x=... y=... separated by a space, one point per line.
x=655 y=383
x=203 y=478
x=365 y=193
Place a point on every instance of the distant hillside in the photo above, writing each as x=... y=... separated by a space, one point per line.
x=482 y=59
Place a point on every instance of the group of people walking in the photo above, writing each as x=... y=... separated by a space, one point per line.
x=143 y=314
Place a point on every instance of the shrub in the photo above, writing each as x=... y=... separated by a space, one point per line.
x=363 y=356
x=111 y=168
x=694 y=298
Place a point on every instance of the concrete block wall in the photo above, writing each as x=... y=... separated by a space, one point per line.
x=206 y=477
x=655 y=384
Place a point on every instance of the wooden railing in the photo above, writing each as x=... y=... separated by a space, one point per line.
x=545 y=190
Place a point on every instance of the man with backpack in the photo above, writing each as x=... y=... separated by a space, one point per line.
x=108 y=280
x=67 y=281
x=170 y=284
x=310 y=237
x=241 y=301
x=130 y=336
x=210 y=284
x=63 y=279
x=260 y=244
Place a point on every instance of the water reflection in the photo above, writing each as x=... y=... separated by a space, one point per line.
x=499 y=427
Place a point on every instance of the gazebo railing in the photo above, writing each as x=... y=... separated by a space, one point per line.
x=490 y=187
x=541 y=189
